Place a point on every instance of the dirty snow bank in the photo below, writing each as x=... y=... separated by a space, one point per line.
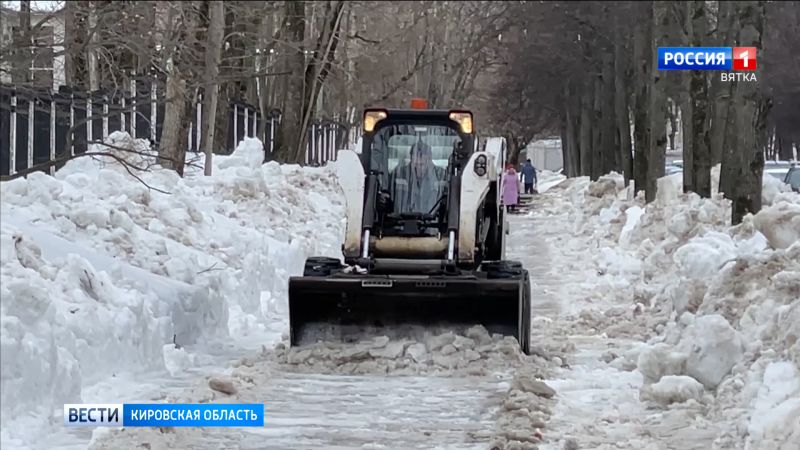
x=95 y=265
x=716 y=307
x=475 y=352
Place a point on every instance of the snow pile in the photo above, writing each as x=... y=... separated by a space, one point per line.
x=774 y=190
x=780 y=223
x=717 y=306
x=674 y=389
x=527 y=407
x=96 y=263
x=475 y=352
x=547 y=180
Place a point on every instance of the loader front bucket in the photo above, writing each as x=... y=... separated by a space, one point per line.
x=350 y=308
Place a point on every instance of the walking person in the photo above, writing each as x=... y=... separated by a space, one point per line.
x=510 y=188
x=528 y=176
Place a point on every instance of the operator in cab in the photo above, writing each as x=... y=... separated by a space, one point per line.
x=417 y=185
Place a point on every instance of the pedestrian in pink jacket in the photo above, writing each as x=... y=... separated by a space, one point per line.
x=510 y=188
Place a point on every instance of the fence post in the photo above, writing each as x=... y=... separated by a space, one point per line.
x=326 y=147
x=153 y=111
x=263 y=128
x=52 y=131
x=313 y=144
x=72 y=123
x=321 y=151
x=31 y=103
x=235 y=126
x=246 y=123
x=332 y=155
x=133 y=107
x=271 y=134
x=122 y=121
x=105 y=117
x=199 y=119
x=88 y=119
x=190 y=138
x=319 y=143
x=12 y=164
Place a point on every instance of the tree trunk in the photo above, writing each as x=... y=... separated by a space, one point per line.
x=687 y=98
x=566 y=141
x=175 y=131
x=748 y=111
x=69 y=43
x=642 y=55
x=571 y=150
x=216 y=28
x=23 y=46
x=687 y=112
x=172 y=148
x=318 y=71
x=720 y=92
x=698 y=89
x=658 y=103
x=93 y=69
x=514 y=149
x=608 y=132
x=597 y=122
x=621 y=104
x=586 y=130
x=292 y=134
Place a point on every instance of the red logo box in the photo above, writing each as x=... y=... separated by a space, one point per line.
x=744 y=58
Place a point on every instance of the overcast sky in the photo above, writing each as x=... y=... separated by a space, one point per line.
x=35 y=5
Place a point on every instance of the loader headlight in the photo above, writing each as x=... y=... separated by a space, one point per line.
x=480 y=165
x=371 y=118
x=464 y=120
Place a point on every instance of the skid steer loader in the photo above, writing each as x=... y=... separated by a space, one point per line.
x=425 y=240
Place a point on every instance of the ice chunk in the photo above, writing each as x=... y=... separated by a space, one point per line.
x=776 y=407
x=417 y=352
x=703 y=256
x=391 y=350
x=673 y=389
x=479 y=334
x=659 y=360
x=176 y=360
x=780 y=223
x=436 y=342
x=713 y=346
x=633 y=217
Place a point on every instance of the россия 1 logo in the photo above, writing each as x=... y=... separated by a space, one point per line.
x=736 y=63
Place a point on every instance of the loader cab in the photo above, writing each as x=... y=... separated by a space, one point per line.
x=414 y=157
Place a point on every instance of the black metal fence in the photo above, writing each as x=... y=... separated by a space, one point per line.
x=35 y=124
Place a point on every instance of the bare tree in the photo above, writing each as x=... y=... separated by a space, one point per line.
x=748 y=113
x=642 y=51
x=216 y=27
x=658 y=103
x=23 y=45
x=180 y=27
x=621 y=97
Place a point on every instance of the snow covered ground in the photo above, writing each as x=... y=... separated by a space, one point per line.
x=102 y=276
x=655 y=326
x=683 y=329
